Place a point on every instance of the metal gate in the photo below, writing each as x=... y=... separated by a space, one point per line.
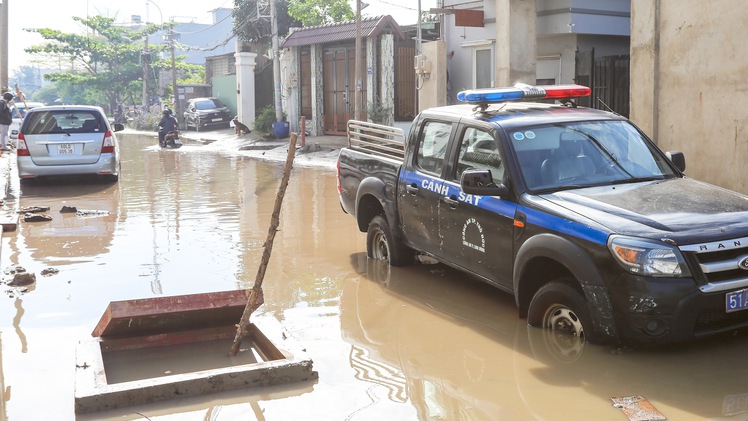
x=609 y=79
x=405 y=81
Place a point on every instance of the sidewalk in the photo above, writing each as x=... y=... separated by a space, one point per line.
x=317 y=151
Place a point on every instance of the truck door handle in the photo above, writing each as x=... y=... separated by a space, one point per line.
x=412 y=189
x=450 y=201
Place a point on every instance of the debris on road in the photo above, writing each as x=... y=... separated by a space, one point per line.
x=35 y=217
x=50 y=271
x=22 y=279
x=637 y=408
x=34 y=209
x=68 y=209
x=91 y=213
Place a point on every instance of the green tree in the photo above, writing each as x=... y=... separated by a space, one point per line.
x=27 y=79
x=252 y=23
x=320 y=12
x=106 y=60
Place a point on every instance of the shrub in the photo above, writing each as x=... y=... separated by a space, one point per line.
x=379 y=113
x=264 y=122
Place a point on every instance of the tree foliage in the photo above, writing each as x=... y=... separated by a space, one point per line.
x=105 y=60
x=252 y=23
x=320 y=12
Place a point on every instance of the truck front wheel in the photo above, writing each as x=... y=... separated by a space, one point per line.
x=562 y=309
x=381 y=245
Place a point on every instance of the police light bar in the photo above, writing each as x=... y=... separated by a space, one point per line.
x=522 y=92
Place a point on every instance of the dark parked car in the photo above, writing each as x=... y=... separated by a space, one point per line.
x=206 y=112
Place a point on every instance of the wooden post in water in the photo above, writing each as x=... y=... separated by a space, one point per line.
x=241 y=328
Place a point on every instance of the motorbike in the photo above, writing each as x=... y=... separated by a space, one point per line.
x=171 y=140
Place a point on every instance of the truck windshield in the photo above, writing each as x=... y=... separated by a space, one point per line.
x=582 y=154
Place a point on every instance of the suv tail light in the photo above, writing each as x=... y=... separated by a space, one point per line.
x=21 y=148
x=108 y=145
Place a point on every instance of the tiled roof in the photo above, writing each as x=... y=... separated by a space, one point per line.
x=336 y=32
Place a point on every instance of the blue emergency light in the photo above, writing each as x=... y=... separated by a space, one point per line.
x=522 y=92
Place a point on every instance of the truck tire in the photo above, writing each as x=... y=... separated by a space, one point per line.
x=381 y=245
x=562 y=309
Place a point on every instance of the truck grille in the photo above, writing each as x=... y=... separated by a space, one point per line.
x=719 y=266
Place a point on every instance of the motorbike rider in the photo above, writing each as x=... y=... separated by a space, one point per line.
x=167 y=124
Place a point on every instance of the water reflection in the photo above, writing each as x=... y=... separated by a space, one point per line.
x=18 y=304
x=462 y=353
x=69 y=238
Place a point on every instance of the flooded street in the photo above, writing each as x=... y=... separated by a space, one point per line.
x=415 y=343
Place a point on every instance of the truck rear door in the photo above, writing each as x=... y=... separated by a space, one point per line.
x=421 y=186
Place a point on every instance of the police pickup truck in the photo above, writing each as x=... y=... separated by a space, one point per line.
x=574 y=211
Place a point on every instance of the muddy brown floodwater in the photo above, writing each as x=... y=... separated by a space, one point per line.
x=416 y=343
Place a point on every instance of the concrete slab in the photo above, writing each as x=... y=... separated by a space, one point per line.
x=269 y=356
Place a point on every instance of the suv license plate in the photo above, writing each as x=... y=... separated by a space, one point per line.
x=736 y=300
x=217 y=119
x=65 y=149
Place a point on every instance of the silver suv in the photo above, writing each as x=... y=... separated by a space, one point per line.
x=68 y=140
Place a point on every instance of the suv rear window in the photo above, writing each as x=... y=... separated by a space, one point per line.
x=63 y=121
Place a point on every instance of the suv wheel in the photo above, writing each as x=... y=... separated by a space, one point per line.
x=562 y=309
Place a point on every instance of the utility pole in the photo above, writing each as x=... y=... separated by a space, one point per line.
x=357 y=65
x=146 y=59
x=177 y=106
x=4 y=46
x=276 y=62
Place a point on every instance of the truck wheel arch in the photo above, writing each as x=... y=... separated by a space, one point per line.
x=369 y=203
x=557 y=253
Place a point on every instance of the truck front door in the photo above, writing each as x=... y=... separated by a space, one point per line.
x=477 y=230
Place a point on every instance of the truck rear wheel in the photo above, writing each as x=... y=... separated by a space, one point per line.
x=562 y=309
x=381 y=245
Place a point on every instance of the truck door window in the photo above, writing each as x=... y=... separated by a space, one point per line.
x=432 y=146
x=479 y=150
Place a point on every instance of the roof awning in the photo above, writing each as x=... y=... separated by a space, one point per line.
x=345 y=31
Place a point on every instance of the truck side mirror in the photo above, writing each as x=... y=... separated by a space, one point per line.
x=677 y=158
x=480 y=182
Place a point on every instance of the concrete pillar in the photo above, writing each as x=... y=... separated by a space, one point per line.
x=644 y=63
x=433 y=92
x=371 y=73
x=316 y=126
x=516 y=42
x=387 y=61
x=245 y=86
x=289 y=87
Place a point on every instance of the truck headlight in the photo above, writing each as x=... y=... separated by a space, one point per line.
x=647 y=257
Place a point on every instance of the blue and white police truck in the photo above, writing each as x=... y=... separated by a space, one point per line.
x=573 y=211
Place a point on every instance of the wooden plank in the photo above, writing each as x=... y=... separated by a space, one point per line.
x=127 y=343
x=156 y=315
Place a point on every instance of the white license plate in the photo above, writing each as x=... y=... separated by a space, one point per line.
x=217 y=119
x=736 y=300
x=65 y=149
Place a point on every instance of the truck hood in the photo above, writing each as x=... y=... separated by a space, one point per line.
x=682 y=209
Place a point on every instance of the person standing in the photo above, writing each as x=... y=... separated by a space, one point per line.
x=5 y=120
